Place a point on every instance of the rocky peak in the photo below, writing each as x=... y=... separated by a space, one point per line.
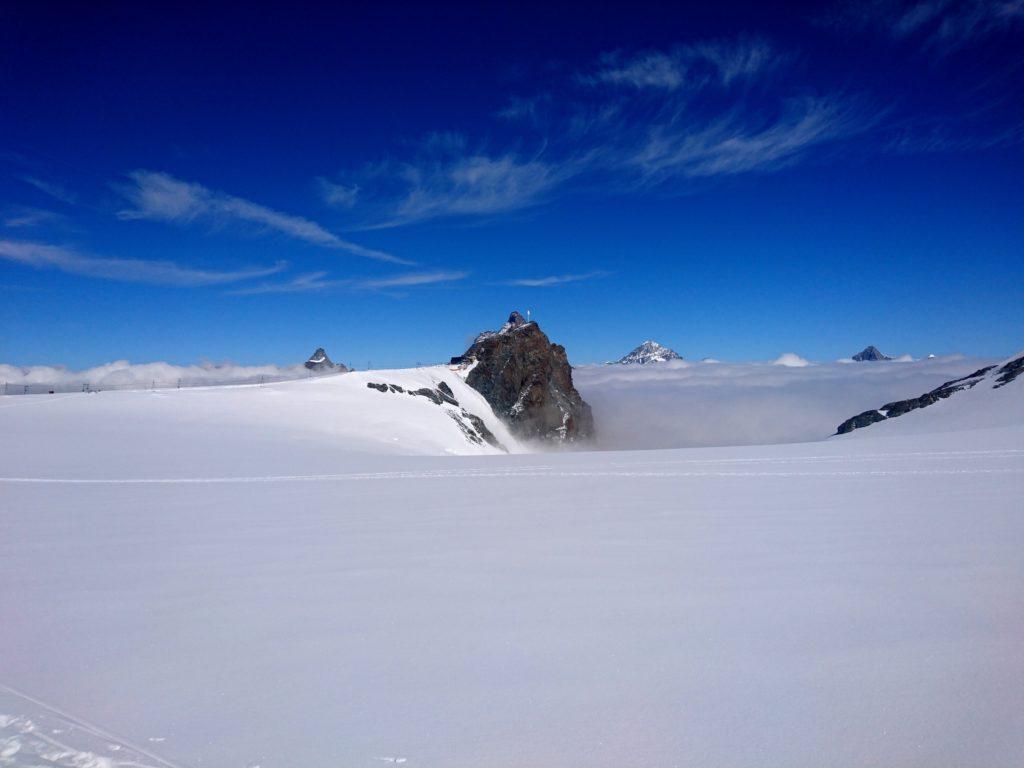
x=319 y=361
x=528 y=382
x=515 y=320
x=648 y=352
x=870 y=354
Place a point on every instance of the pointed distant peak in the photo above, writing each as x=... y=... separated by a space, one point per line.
x=319 y=361
x=649 y=352
x=870 y=354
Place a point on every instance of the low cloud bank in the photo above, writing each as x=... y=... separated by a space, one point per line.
x=125 y=375
x=679 y=404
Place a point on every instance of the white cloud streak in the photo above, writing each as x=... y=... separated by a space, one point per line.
x=649 y=119
x=731 y=145
x=689 y=66
x=469 y=185
x=553 y=280
x=945 y=25
x=338 y=195
x=21 y=217
x=56 y=191
x=319 y=281
x=161 y=197
x=45 y=256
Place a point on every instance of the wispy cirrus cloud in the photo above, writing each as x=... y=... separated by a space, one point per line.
x=631 y=121
x=338 y=195
x=312 y=282
x=153 y=272
x=161 y=197
x=553 y=280
x=692 y=66
x=54 y=190
x=733 y=144
x=941 y=27
x=470 y=185
x=24 y=216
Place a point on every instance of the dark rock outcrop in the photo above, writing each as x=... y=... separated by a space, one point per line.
x=1009 y=372
x=319 y=361
x=870 y=354
x=899 y=407
x=528 y=382
x=472 y=426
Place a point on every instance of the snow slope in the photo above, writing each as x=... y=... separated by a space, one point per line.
x=989 y=403
x=268 y=601
x=286 y=426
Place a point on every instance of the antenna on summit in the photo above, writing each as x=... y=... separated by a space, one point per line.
x=527 y=315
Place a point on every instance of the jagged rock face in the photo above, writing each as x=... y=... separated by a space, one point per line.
x=649 y=352
x=528 y=382
x=319 y=361
x=995 y=376
x=870 y=354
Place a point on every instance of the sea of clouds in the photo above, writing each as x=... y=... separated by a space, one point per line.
x=679 y=404
x=122 y=374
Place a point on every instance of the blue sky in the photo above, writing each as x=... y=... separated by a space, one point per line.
x=385 y=180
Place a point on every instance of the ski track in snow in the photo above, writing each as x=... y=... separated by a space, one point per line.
x=28 y=740
x=612 y=470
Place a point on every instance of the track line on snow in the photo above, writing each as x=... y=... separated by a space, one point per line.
x=455 y=474
x=88 y=727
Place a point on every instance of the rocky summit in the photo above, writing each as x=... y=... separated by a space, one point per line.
x=319 y=361
x=528 y=382
x=648 y=352
x=870 y=354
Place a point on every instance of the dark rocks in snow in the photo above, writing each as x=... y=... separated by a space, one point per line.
x=435 y=396
x=870 y=354
x=472 y=426
x=899 y=407
x=319 y=361
x=1009 y=372
x=528 y=382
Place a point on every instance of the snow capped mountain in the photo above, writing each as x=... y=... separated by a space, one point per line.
x=870 y=354
x=648 y=352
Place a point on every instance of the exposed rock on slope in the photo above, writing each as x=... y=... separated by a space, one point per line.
x=528 y=382
x=319 y=361
x=473 y=427
x=870 y=354
x=994 y=376
x=648 y=352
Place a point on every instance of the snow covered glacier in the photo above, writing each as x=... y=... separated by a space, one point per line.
x=298 y=575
